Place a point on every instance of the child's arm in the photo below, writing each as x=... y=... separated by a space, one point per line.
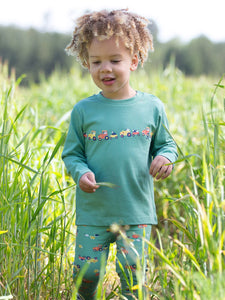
x=159 y=168
x=163 y=148
x=74 y=155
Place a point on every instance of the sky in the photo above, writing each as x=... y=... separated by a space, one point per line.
x=184 y=20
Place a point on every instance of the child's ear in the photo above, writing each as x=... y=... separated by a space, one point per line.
x=134 y=62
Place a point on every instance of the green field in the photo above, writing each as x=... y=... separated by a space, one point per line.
x=37 y=198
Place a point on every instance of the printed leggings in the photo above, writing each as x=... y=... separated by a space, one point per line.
x=93 y=241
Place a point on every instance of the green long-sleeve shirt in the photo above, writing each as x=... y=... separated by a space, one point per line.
x=117 y=140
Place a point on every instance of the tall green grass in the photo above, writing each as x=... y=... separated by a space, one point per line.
x=37 y=198
x=35 y=217
x=191 y=262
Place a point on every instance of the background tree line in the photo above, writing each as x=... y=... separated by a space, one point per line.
x=32 y=52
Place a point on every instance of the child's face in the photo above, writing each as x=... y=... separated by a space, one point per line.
x=110 y=65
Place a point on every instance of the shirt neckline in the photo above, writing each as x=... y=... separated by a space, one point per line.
x=116 y=102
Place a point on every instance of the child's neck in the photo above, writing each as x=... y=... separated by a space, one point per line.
x=130 y=94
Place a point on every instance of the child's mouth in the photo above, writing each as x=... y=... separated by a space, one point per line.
x=108 y=80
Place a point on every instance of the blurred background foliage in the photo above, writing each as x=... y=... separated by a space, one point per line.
x=38 y=54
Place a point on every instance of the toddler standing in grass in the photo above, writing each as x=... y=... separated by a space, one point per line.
x=119 y=136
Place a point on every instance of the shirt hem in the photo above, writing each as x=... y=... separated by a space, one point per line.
x=122 y=223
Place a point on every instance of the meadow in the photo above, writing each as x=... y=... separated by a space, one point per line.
x=37 y=197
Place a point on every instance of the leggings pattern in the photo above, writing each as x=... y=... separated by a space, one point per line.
x=94 y=241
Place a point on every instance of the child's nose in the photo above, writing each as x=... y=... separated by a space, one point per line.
x=106 y=67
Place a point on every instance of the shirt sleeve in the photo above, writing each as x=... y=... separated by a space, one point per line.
x=162 y=141
x=73 y=153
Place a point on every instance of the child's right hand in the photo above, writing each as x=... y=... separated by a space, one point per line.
x=87 y=183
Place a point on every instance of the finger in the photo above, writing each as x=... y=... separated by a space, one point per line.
x=92 y=182
x=166 y=173
x=157 y=170
x=91 y=179
x=159 y=167
x=156 y=165
x=88 y=188
x=154 y=169
x=87 y=183
x=161 y=172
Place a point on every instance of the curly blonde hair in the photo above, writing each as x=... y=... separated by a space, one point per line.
x=130 y=27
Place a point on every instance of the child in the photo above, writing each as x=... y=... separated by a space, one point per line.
x=116 y=136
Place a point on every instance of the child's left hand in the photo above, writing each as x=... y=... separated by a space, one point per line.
x=158 y=168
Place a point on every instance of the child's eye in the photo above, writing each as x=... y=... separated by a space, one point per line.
x=115 y=61
x=96 y=62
